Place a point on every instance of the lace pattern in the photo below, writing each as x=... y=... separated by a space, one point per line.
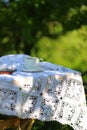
x=44 y=96
x=57 y=93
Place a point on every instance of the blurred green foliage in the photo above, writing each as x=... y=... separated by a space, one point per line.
x=55 y=30
x=51 y=125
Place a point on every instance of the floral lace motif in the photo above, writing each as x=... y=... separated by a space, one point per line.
x=48 y=95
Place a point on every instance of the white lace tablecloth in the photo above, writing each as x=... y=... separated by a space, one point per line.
x=57 y=93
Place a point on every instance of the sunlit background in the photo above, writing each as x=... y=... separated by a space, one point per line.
x=54 y=30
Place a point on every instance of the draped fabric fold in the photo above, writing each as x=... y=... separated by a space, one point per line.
x=54 y=93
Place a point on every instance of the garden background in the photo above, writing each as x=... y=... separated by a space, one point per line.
x=54 y=30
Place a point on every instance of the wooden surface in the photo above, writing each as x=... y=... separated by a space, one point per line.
x=16 y=123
